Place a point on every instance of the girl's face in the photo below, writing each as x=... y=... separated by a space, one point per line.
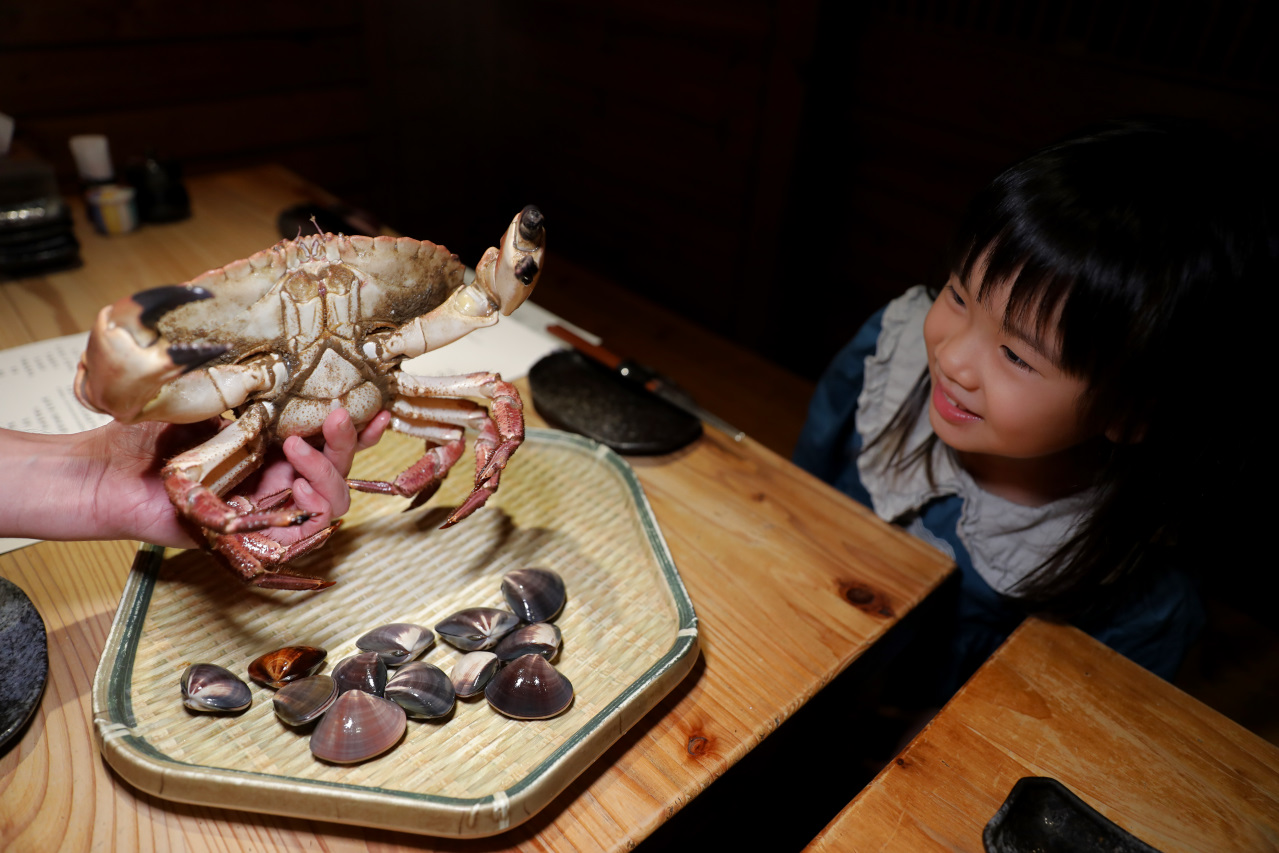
x=997 y=391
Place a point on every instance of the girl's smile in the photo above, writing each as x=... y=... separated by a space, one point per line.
x=1000 y=400
x=948 y=408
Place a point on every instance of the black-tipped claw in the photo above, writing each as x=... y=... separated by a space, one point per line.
x=158 y=301
x=531 y=224
x=191 y=356
x=526 y=269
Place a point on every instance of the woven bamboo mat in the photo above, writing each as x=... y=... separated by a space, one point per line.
x=564 y=504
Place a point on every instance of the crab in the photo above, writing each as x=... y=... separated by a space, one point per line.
x=293 y=332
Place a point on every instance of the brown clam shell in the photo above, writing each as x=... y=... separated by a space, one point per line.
x=358 y=727
x=534 y=595
x=529 y=688
x=212 y=689
x=472 y=672
x=299 y=702
x=364 y=671
x=477 y=628
x=277 y=668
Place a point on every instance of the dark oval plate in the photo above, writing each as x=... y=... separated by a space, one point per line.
x=24 y=660
x=577 y=394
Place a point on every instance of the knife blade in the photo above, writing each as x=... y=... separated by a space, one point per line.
x=650 y=379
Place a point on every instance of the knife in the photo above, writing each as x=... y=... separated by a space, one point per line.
x=653 y=381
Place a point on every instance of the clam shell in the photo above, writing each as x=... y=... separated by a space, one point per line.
x=358 y=727
x=422 y=690
x=534 y=595
x=529 y=688
x=472 y=672
x=398 y=642
x=364 y=671
x=213 y=689
x=540 y=638
x=304 y=700
x=477 y=628
x=277 y=668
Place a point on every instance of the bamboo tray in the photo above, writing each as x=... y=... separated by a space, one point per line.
x=566 y=503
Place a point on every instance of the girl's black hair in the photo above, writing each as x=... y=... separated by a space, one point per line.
x=1155 y=241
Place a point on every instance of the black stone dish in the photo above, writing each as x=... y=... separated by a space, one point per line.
x=1044 y=816
x=24 y=660
x=575 y=393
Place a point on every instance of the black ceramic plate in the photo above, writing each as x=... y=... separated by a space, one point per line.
x=24 y=660
x=1044 y=816
x=577 y=394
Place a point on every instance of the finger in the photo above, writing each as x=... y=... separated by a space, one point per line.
x=308 y=499
x=321 y=476
x=339 y=440
x=373 y=430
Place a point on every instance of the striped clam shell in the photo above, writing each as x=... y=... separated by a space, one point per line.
x=422 y=690
x=398 y=642
x=212 y=689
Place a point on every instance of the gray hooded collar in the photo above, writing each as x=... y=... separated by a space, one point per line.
x=1006 y=540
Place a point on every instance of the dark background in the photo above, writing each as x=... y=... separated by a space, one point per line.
x=771 y=171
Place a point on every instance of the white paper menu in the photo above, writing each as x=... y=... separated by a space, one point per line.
x=35 y=387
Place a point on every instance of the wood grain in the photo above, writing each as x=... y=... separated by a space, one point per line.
x=788 y=577
x=1054 y=702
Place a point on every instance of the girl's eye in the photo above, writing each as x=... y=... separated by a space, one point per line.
x=1013 y=357
x=954 y=295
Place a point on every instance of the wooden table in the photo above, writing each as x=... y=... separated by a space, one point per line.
x=787 y=576
x=1054 y=702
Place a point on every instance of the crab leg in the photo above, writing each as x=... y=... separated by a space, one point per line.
x=506 y=409
x=185 y=474
x=256 y=559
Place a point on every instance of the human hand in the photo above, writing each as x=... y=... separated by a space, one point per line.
x=130 y=502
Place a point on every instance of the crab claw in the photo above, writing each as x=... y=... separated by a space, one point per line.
x=130 y=360
x=158 y=301
x=511 y=274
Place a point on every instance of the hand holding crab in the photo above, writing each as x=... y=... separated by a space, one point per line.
x=288 y=335
x=105 y=483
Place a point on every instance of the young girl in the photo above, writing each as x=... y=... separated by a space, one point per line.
x=1058 y=417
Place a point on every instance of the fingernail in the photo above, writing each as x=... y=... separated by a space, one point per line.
x=304 y=488
x=301 y=447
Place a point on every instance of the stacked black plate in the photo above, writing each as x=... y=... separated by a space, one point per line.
x=35 y=224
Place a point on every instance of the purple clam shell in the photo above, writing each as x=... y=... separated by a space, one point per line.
x=299 y=702
x=364 y=671
x=398 y=642
x=422 y=690
x=472 y=672
x=534 y=595
x=212 y=689
x=529 y=688
x=540 y=638
x=477 y=628
x=358 y=727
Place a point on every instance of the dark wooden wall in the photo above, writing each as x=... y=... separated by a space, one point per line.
x=771 y=170
x=214 y=85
